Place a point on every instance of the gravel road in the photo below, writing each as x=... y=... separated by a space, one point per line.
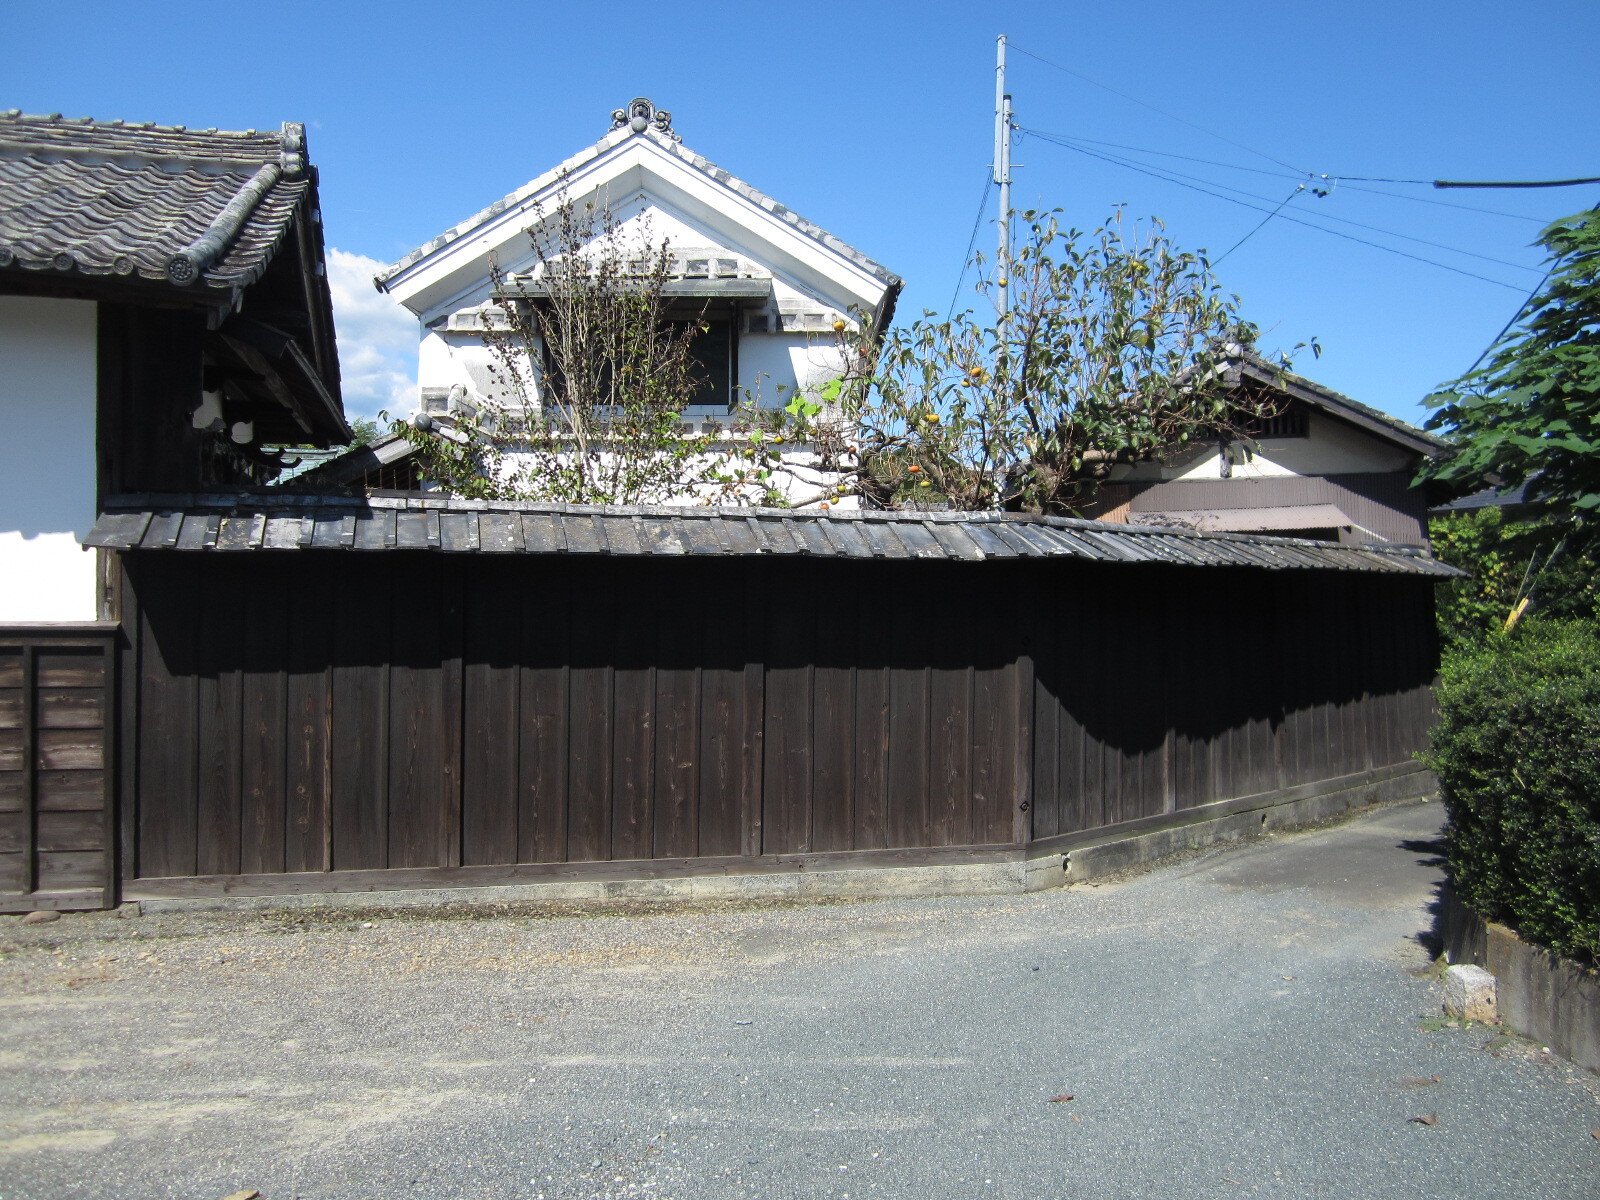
x=1255 y=1021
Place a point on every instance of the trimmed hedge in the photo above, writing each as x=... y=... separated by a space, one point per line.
x=1517 y=752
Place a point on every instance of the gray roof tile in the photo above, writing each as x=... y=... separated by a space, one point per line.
x=272 y=521
x=159 y=203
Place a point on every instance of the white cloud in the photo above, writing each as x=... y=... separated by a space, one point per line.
x=377 y=340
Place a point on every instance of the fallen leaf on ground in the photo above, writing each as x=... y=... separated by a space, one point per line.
x=1079 y=1120
x=247 y=1194
x=1415 y=1081
x=1061 y=1099
x=1429 y=1119
x=1595 y=1134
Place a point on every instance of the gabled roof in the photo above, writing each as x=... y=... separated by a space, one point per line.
x=161 y=203
x=244 y=522
x=162 y=214
x=640 y=124
x=1250 y=365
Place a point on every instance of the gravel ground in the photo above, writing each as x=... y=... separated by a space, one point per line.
x=1259 y=1020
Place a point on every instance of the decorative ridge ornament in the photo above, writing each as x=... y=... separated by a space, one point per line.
x=640 y=115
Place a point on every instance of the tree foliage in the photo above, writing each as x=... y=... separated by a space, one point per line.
x=1110 y=353
x=591 y=370
x=1533 y=408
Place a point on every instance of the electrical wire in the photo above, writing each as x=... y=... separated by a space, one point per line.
x=1068 y=144
x=1176 y=178
x=1260 y=225
x=1348 y=180
x=1168 y=178
x=977 y=223
x=1170 y=116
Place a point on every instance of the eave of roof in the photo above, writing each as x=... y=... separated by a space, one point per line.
x=162 y=204
x=667 y=143
x=1373 y=420
x=238 y=522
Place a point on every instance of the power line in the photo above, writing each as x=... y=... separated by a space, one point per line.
x=1343 y=179
x=1162 y=111
x=1260 y=225
x=966 y=259
x=1294 y=220
x=1540 y=183
x=1177 y=176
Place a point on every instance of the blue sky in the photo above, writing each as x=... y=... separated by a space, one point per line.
x=875 y=120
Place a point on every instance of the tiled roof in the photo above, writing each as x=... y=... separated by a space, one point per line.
x=1254 y=365
x=452 y=525
x=153 y=202
x=667 y=143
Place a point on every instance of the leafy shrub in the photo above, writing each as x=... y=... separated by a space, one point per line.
x=1517 y=751
x=1548 y=559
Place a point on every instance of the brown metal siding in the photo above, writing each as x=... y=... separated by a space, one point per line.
x=1386 y=504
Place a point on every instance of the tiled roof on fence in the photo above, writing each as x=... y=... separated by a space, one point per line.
x=155 y=202
x=451 y=525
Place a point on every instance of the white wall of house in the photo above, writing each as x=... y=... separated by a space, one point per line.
x=1331 y=447
x=47 y=459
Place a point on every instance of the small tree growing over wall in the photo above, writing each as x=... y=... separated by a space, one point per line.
x=590 y=372
x=1111 y=353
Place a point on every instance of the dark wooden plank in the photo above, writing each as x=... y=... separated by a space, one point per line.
x=491 y=714
x=633 y=701
x=725 y=738
x=70 y=870
x=68 y=708
x=833 y=716
x=12 y=752
x=1052 y=797
x=14 y=870
x=219 y=716
x=16 y=836
x=70 y=831
x=70 y=791
x=360 y=731
x=424 y=718
x=950 y=727
x=11 y=708
x=263 y=704
x=907 y=815
x=790 y=648
x=994 y=734
x=12 y=790
x=308 y=743
x=10 y=667
x=542 y=803
x=679 y=744
x=72 y=749
x=752 y=587
x=166 y=705
x=593 y=621
x=76 y=668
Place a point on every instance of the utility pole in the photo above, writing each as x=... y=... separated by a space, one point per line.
x=1002 y=177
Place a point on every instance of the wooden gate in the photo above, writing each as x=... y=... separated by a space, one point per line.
x=57 y=697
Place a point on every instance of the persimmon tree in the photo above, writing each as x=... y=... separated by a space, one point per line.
x=1111 y=352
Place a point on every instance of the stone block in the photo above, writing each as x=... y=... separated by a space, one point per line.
x=1469 y=993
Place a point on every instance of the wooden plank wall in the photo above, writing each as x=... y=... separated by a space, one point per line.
x=56 y=691
x=332 y=711
x=1158 y=691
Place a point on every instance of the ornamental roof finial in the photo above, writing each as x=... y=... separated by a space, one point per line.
x=640 y=115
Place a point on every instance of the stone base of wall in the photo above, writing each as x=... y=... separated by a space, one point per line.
x=1542 y=996
x=1292 y=808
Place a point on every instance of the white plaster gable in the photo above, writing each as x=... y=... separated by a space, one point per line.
x=649 y=181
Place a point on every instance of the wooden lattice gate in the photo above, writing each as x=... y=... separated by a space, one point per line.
x=57 y=700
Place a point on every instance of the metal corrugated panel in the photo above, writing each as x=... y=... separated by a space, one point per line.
x=278 y=522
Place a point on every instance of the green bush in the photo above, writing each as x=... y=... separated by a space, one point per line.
x=1517 y=751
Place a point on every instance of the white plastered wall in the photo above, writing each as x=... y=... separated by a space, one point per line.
x=1331 y=447
x=47 y=459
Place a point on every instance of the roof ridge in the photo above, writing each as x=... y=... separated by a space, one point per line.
x=663 y=140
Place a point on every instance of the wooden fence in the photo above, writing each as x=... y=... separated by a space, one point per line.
x=56 y=768
x=326 y=720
